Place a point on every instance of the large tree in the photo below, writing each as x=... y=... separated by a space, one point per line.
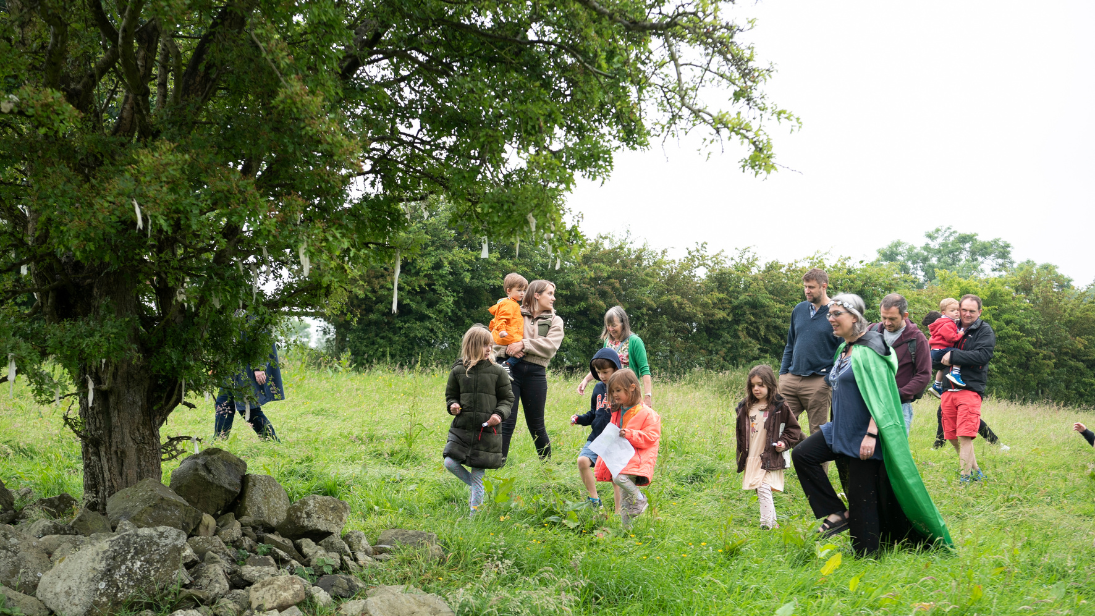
x=174 y=176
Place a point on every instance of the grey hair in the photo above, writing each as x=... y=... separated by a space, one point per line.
x=616 y=314
x=853 y=304
x=895 y=300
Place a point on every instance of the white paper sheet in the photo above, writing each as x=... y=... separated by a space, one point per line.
x=614 y=449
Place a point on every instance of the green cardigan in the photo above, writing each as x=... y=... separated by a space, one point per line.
x=875 y=380
x=636 y=356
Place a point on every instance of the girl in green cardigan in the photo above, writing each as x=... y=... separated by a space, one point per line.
x=618 y=337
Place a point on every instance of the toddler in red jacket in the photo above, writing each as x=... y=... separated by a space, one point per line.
x=945 y=333
x=642 y=427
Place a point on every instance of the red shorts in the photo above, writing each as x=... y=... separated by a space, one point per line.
x=961 y=414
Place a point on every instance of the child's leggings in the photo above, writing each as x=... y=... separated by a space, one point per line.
x=627 y=484
x=767 y=506
x=474 y=479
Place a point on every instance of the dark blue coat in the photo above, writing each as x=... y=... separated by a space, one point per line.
x=600 y=411
x=259 y=395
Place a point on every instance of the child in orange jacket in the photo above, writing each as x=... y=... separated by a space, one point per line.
x=508 y=326
x=642 y=427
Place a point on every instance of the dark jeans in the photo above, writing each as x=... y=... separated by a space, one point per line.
x=874 y=515
x=983 y=430
x=225 y=413
x=530 y=391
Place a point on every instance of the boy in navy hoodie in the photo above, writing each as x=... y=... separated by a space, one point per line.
x=602 y=366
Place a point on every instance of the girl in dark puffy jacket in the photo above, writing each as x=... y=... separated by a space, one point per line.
x=479 y=397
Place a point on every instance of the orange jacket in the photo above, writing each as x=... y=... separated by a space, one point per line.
x=643 y=429
x=507 y=318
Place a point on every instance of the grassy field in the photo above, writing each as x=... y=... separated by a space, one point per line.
x=374 y=439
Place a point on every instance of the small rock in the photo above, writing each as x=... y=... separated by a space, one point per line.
x=352 y=608
x=357 y=542
x=226 y=519
x=150 y=503
x=50 y=543
x=281 y=543
x=349 y=566
x=362 y=560
x=189 y=556
x=16 y=602
x=263 y=500
x=293 y=611
x=261 y=561
x=227 y=564
x=24 y=494
x=382 y=557
x=207 y=527
x=341 y=586
x=335 y=545
x=202 y=545
x=230 y=533
x=410 y=538
x=210 y=578
x=55 y=506
x=186 y=613
x=146 y=613
x=314 y=517
x=247 y=545
x=209 y=480
x=191 y=599
x=382 y=548
x=257 y=574
x=404 y=601
x=319 y=596
x=7 y=499
x=22 y=563
x=41 y=528
x=277 y=593
x=233 y=604
x=250 y=534
x=125 y=526
x=246 y=521
x=88 y=522
x=205 y=611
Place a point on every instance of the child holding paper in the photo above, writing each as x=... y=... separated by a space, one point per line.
x=766 y=429
x=642 y=427
x=603 y=365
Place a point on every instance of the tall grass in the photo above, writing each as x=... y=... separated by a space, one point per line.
x=374 y=439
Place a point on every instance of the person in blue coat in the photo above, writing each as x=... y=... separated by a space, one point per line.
x=250 y=390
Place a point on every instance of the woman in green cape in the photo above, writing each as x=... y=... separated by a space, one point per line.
x=887 y=501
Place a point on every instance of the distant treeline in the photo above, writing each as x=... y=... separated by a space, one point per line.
x=709 y=310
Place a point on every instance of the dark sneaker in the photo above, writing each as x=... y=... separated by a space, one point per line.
x=956 y=378
x=936 y=389
x=937 y=444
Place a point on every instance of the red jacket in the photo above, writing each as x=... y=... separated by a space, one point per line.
x=643 y=428
x=944 y=333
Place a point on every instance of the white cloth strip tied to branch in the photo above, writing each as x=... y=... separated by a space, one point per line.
x=254 y=281
x=395 y=283
x=305 y=262
x=22 y=270
x=195 y=441
x=150 y=226
x=486 y=251
x=532 y=222
x=558 y=262
x=247 y=410
x=11 y=374
x=56 y=395
x=266 y=261
x=216 y=302
x=207 y=396
x=182 y=396
x=137 y=211
x=90 y=391
x=518 y=255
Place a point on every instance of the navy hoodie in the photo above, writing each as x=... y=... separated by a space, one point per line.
x=600 y=411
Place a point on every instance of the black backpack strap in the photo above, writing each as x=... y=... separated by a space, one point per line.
x=912 y=351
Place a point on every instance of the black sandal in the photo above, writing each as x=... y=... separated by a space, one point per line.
x=829 y=528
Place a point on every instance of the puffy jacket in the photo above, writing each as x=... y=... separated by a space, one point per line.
x=507 y=318
x=643 y=429
x=973 y=353
x=600 y=411
x=481 y=391
x=778 y=413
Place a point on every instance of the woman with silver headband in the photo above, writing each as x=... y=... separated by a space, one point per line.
x=887 y=501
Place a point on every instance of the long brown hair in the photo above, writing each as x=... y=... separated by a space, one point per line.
x=767 y=377
x=626 y=380
x=471 y=347
x=534 y=287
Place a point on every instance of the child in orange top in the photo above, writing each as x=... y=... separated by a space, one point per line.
x=508 y=326
x=642 y=427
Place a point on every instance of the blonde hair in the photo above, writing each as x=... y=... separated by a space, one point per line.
x=471 y=347
x=626 y=380
x=946 y=303
x=514 y=280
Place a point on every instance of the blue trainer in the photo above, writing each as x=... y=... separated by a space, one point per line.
x=956 y=378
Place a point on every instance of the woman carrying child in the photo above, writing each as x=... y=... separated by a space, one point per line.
x=618 y=337
x=766 y=429
x=642 y=427
x=479 y=397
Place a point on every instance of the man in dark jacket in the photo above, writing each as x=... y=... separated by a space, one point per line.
x=962 y=405
x=914 y=363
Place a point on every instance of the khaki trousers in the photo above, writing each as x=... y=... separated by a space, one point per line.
x=807 y=393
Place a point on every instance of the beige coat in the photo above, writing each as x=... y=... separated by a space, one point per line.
x=543 y=335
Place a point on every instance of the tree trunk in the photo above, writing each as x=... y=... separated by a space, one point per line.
x=120 y=432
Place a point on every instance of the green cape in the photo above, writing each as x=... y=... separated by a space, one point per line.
x=879 y=391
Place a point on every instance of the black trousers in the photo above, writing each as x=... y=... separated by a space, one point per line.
x=875 y=517
x=984 y=431
x=225 y=409
x=530 y=392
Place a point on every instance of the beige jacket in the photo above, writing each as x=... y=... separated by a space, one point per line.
x=543 y=335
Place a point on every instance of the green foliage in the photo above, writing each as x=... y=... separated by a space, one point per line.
x=947 y=249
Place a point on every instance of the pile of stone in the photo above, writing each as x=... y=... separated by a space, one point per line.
x=218 y=542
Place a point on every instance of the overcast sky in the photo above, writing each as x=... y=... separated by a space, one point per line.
x=915 y=115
